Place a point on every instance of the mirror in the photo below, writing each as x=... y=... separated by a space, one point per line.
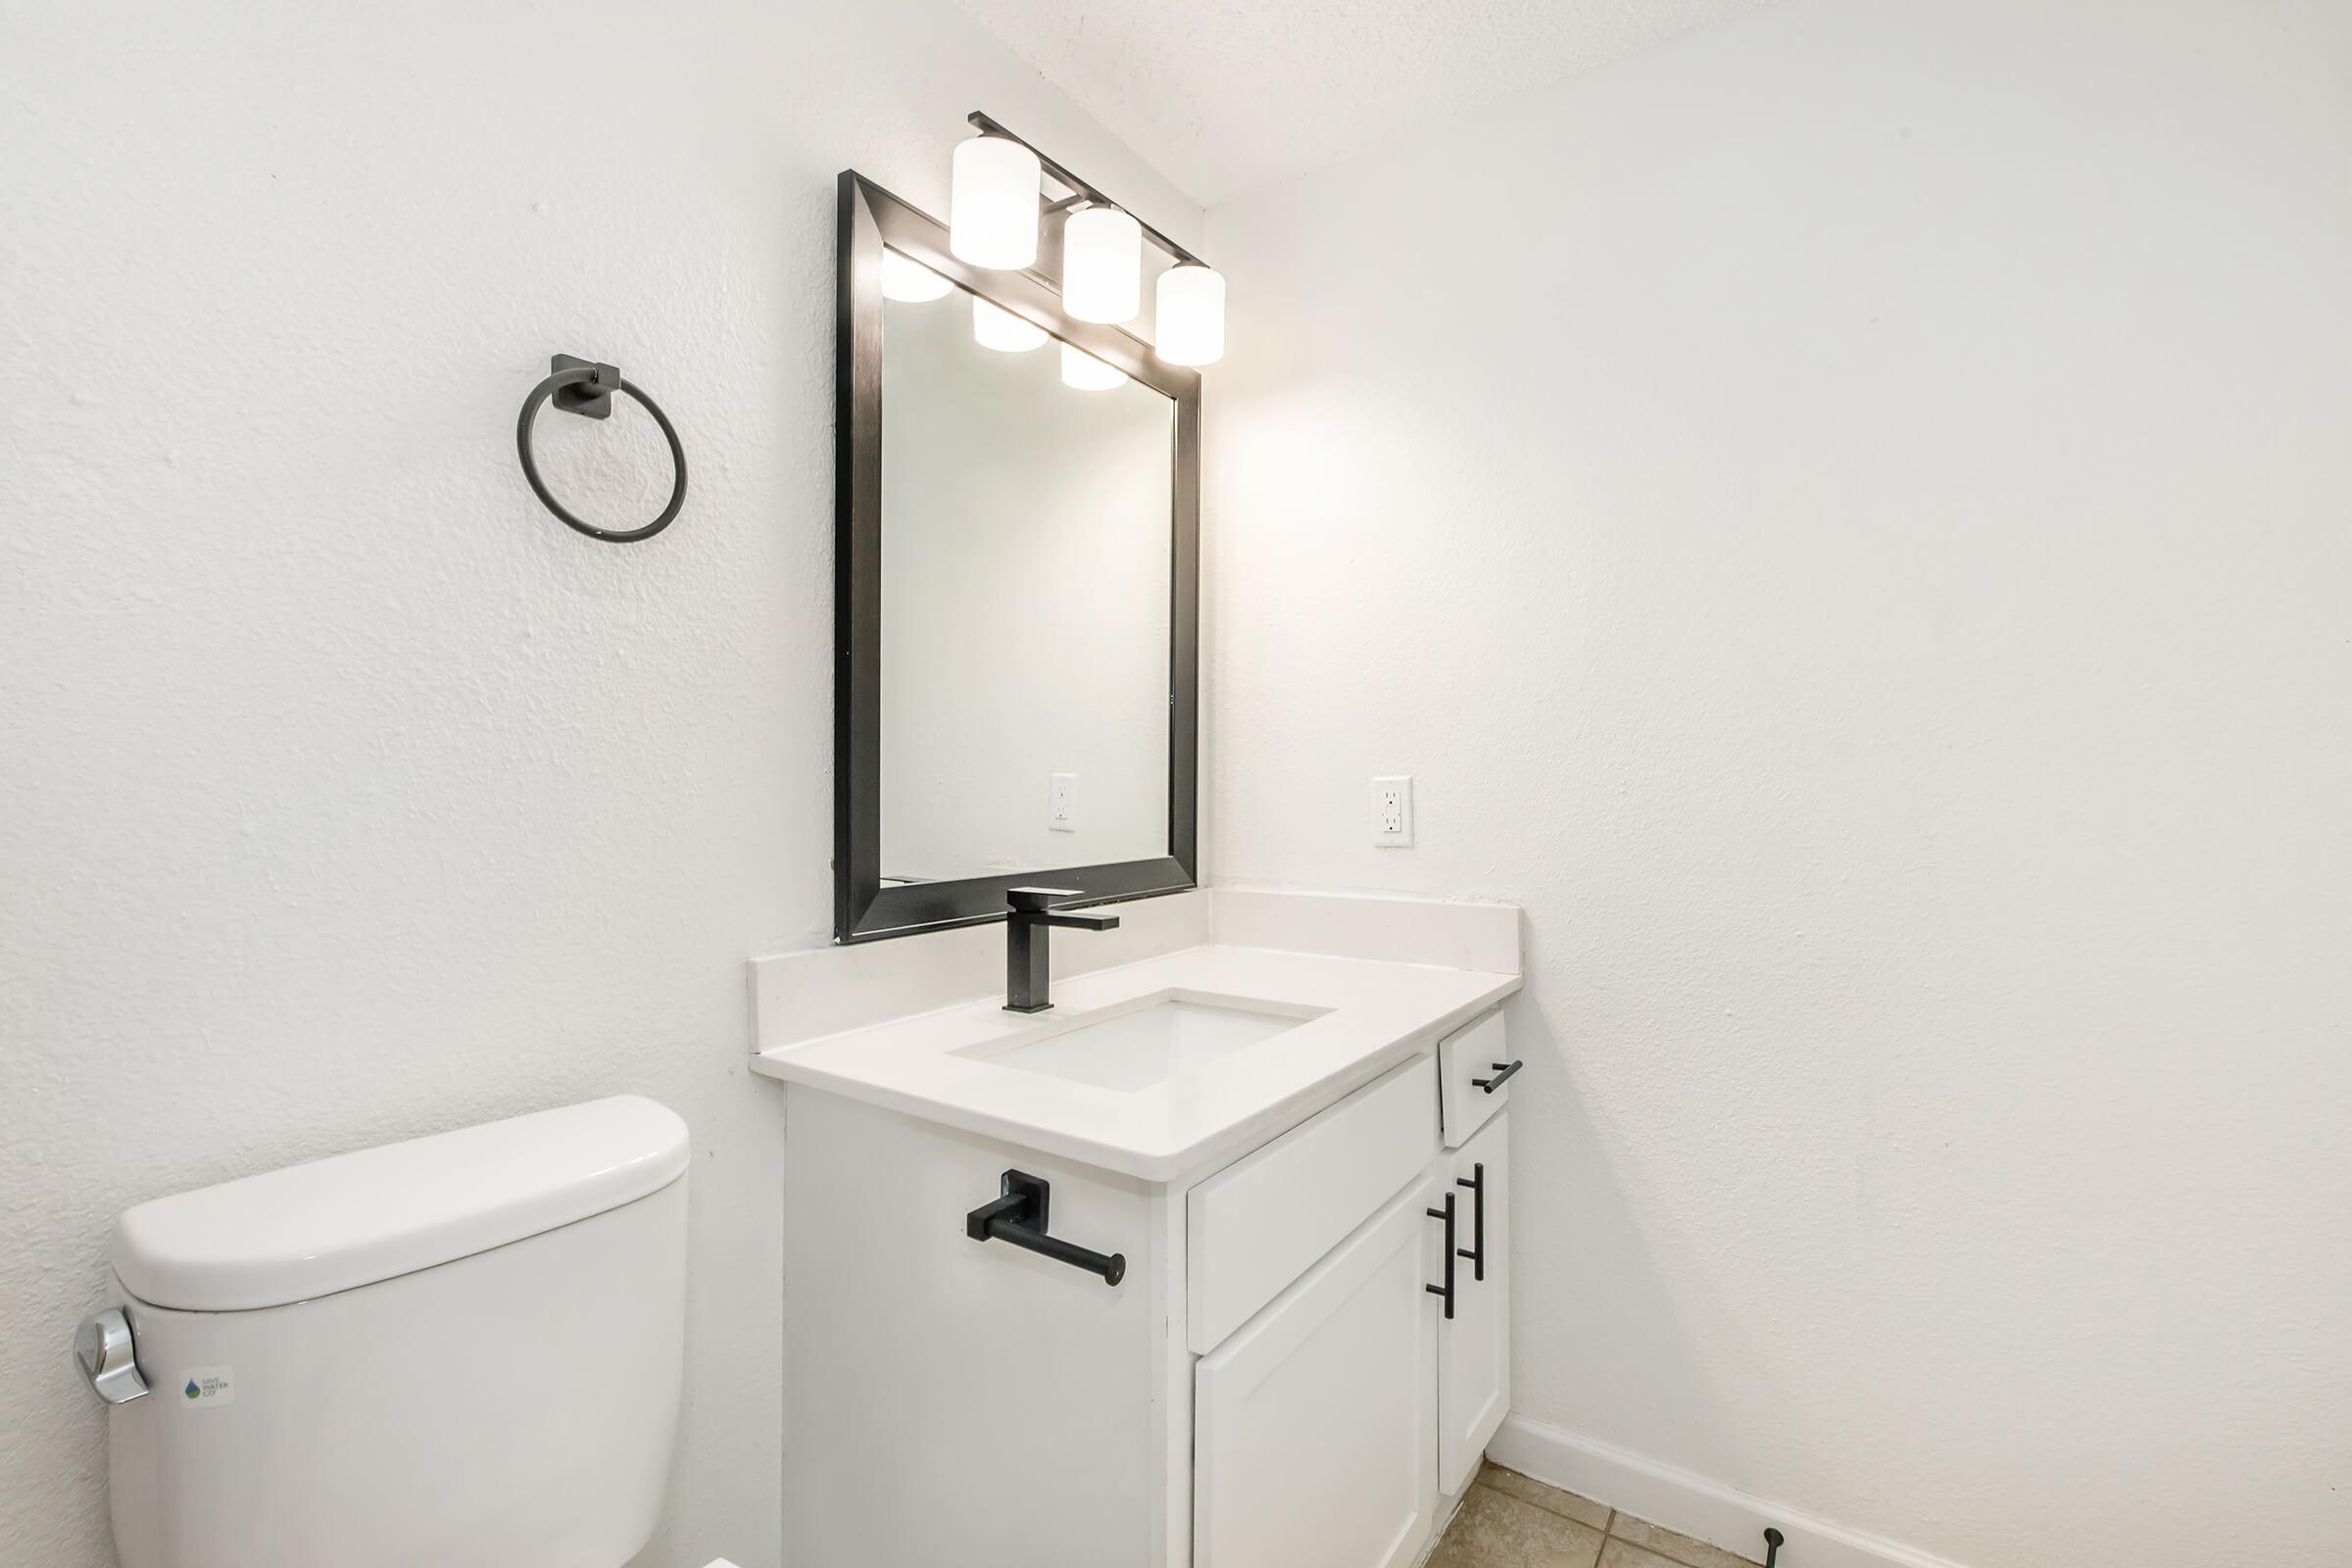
x=1015 y=611
x=1025 y=603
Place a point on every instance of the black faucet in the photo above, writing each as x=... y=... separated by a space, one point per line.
x=1028 y=976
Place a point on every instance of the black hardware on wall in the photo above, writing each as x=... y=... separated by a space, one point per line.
x=1773 y=1542
x=585 y=387
x=1502 y=1071
x=1019 y=1217
x=1476 y=1254
x=1446 y=1290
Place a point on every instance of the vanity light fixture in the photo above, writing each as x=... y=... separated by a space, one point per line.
x=1190 y=314
x=997 y=327
x=909 y=281
x=1102 y=260
x=1087 y=373
x=991 y=203
x=1101 y=265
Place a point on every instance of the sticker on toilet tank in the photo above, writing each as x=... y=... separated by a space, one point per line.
x=207 y=1386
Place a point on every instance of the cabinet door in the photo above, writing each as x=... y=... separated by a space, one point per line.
x=1474 y=1348
x=1316 y=1424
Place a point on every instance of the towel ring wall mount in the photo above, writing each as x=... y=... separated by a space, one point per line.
x=586 y=387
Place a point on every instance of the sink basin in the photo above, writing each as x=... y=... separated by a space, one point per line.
x=1143 y=1044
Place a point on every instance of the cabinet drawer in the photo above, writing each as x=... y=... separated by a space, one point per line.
x=1254 y=1226
x=1474 y=1054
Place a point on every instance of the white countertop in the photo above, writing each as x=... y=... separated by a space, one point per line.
x=1378 y=1014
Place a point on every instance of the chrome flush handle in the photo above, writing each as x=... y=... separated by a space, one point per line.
x=109 y=1357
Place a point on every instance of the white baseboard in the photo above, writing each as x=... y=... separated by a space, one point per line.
x=1690 y=1504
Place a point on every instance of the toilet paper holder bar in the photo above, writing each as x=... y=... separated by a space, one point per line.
x=1018 y=1216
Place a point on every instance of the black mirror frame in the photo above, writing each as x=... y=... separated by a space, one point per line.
x=863 y=909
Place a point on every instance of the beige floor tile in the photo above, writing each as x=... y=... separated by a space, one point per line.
x=1676 y=1549
x=1512 y=1484
x=1624 y=1555
x=1495 y=1531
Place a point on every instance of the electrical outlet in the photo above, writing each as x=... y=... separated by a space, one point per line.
x=1062 y=803
x=1393 y=811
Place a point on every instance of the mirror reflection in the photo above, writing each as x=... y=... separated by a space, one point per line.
x=1026 y=566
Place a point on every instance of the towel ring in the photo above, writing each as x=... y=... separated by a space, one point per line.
x=585 y=387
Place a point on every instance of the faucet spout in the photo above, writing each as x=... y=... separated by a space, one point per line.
x=1028 y=966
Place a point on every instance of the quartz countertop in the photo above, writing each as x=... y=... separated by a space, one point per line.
x=1370 y=1015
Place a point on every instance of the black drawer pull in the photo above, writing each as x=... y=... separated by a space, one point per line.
x=1446 y=1290
x=1502 y=1075
x=1019 y=1217
x=1476 y=1254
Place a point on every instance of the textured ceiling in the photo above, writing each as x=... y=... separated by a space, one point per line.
x=1221 y=95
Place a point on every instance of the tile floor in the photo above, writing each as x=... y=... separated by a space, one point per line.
x=1508 y=1521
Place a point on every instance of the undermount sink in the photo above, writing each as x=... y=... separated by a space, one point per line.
x=1143 y=1044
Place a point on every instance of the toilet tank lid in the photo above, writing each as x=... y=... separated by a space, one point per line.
x=335 y=1224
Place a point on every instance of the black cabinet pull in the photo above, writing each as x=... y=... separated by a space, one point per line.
x=1446 y=1290
x=1502 y=1075
x=1477 y=1254
x=1019 y=1217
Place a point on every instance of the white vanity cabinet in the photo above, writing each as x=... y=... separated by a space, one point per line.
x=1474 y=1349
x=1327 y=1427
x=1278 y=1375
x=1316 y=1424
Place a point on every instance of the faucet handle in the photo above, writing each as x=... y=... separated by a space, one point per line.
x=1037 y=901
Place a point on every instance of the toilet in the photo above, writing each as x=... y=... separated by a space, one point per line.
x=456 y=1352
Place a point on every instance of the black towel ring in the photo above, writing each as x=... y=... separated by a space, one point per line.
x=583 y=386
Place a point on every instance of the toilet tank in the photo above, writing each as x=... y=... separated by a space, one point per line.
x=460 y=1351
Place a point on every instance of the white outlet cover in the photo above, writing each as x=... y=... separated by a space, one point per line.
x=1062 y=803
x=1393 y=811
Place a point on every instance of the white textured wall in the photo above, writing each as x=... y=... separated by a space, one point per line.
x=344 y=795
x=1850 y=519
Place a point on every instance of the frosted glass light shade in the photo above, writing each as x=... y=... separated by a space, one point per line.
x=1101 y=265
x=1190 y=314
x=909 y=281
x=1087 y=373
x=991 y=203
x=999 y=328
